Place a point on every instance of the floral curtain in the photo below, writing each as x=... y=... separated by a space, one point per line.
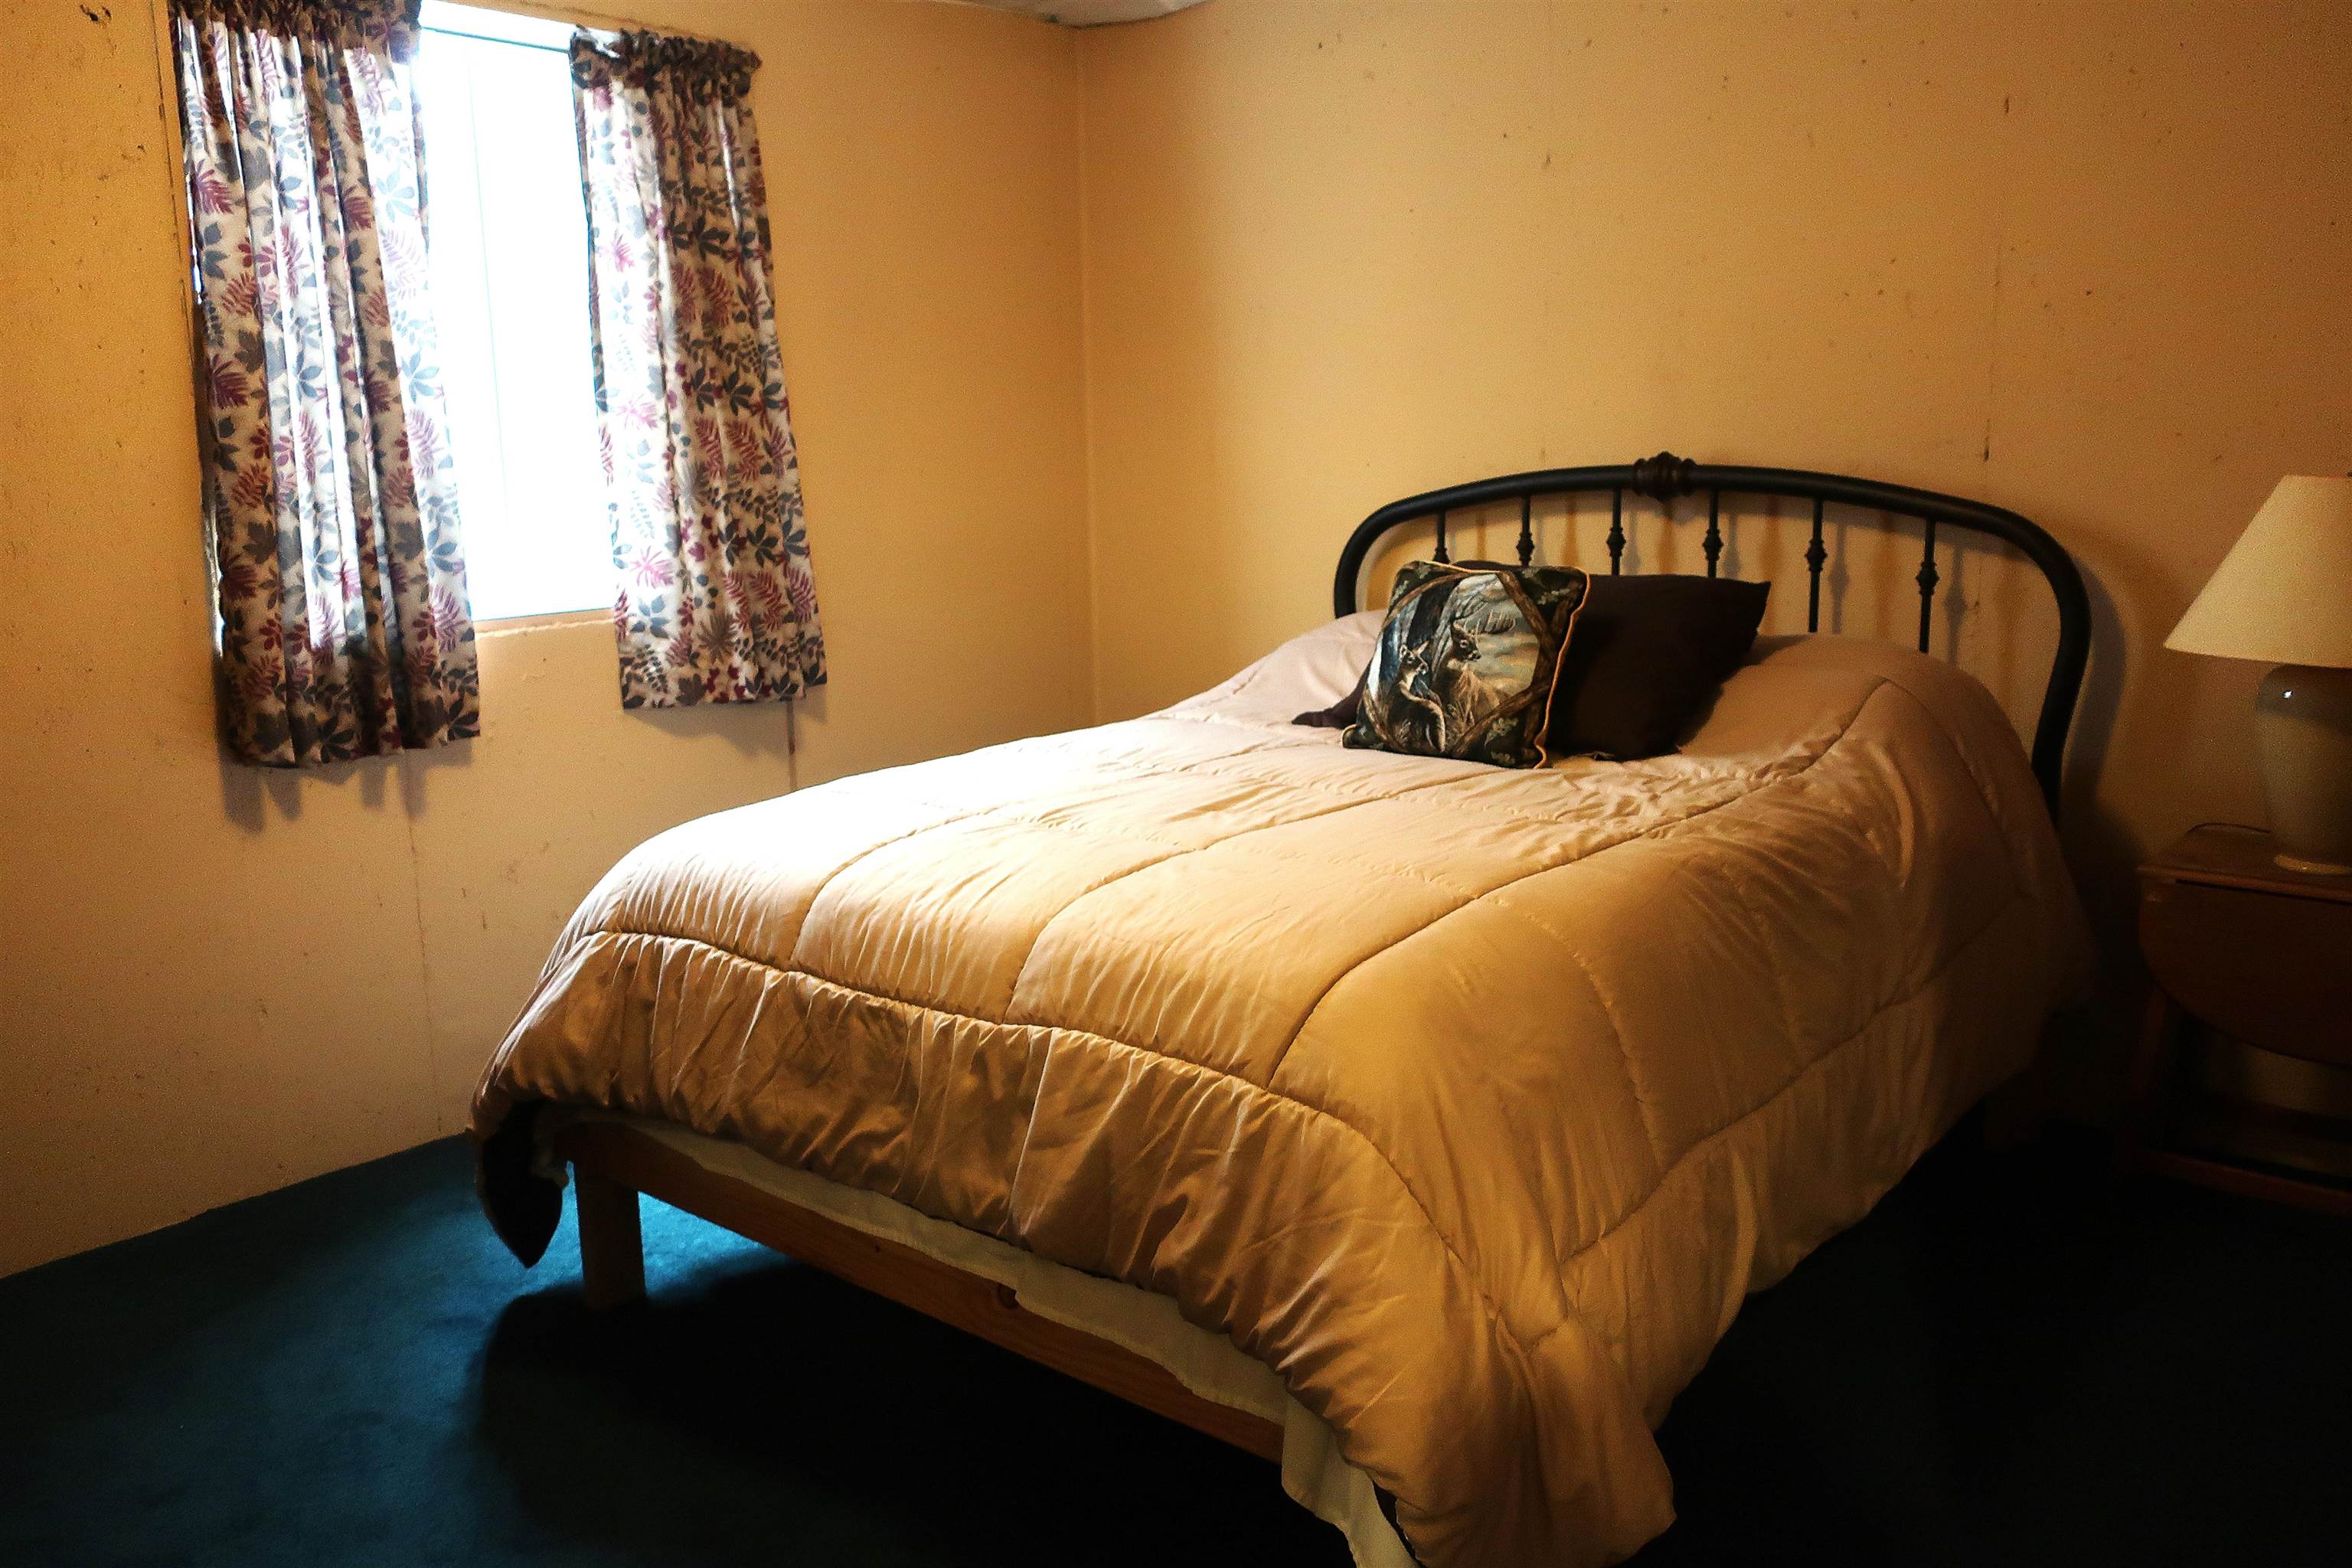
x=330 y=490
x=716 y=603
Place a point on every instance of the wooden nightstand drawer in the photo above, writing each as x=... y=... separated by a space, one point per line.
x=2239 y=946
x=2273 y=972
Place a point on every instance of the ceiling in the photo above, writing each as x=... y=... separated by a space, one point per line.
x=1089 y=13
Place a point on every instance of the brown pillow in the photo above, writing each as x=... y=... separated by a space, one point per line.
x=1649 y=653
x=1340 y=714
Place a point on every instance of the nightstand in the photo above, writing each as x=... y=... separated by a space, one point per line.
x=2243 y=947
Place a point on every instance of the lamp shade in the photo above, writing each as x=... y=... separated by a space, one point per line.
x=2283 y=594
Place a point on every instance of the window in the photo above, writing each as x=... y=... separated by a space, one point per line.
x=510 y=275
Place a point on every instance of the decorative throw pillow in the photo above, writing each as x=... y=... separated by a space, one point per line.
x=1466 y=661
x=1650 y=652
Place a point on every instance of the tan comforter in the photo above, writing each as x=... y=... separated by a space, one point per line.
x=1471 y=1101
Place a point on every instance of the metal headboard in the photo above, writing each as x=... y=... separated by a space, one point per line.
x=1664 y=477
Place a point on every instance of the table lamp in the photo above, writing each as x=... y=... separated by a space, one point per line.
x=2284 y=595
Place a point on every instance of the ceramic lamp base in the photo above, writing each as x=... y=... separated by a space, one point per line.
x=2302 y=733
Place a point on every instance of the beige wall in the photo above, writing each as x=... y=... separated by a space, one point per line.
x=2086 y=261
x=213 y=981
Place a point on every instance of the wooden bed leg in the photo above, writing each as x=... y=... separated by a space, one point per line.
x=612 y=1246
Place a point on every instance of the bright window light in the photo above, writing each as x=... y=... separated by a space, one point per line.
x=509 y=270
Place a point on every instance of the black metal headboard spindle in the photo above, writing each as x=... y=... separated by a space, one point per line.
x=1927 y=579
x=1815 y=556
x=1663 y=477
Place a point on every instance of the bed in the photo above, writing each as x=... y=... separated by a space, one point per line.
x=1417 y=1125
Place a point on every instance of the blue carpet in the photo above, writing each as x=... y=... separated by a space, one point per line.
x=2011 y=1361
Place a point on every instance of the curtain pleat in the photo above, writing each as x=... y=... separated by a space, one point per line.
x=716 y=600
x=330 y=492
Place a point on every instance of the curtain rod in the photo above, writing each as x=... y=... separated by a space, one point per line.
x=594 y=21
x=488 y=39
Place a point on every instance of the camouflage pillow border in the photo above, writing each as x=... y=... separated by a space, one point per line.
x=1466 y=662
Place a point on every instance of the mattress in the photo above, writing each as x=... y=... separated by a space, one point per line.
x=1468 y=1103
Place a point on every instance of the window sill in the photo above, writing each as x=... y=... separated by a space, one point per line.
x=506 y=625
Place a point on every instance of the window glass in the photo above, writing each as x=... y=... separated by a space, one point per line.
x=509 y=246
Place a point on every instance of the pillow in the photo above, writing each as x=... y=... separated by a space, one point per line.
x=1340 y=714
x=1466 y=662
x=1650 y=652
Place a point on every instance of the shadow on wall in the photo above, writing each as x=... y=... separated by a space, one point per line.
x=251 y=797
x=756 y=730
x=2102 y=850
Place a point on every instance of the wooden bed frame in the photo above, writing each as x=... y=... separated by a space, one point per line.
x=612 y=1162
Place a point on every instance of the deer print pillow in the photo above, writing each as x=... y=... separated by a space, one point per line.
x=1466 y=661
